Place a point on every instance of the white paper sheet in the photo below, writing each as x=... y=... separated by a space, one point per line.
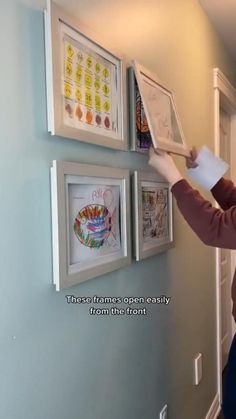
x=210 y=169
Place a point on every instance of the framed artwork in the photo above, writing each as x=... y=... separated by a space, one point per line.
x=161 y=113
x=90 y=221
x=86 y=83
x=140 y=135
x=153 y=215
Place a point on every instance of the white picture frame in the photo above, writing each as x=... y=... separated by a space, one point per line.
x=153 y=215
x=161 y=112
x=90 y=221
x=86 y=83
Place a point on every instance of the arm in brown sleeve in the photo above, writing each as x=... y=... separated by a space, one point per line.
x=213 y=227
x=224 y=193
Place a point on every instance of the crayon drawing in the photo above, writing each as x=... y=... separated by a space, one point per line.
x=143 y=135
x=164 y=120
x=93 y=225
x=94 y=221
x=160 y=103
x=155 y=213
x=90 y=92
x=161 y=112
x=90 y=221
x=86 y=83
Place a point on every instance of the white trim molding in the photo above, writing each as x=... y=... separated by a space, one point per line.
x=226 y=89
x=225 y=98
x=214 y=410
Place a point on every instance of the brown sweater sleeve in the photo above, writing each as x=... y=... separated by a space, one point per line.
x=224 y=193
x=213 y=227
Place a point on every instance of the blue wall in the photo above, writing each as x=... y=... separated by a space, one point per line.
x=56 y=360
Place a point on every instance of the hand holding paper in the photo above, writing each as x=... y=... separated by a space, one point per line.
x=191 y=160
x=209 y=169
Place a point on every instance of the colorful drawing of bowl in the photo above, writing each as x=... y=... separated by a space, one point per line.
x=93 y=225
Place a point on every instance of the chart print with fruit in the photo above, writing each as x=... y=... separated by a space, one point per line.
x=155 y=213
x=93 y=221
x=89 y=89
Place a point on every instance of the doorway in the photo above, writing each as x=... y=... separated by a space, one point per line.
x=225 y=147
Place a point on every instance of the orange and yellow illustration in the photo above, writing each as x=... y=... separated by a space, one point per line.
x=88 y=87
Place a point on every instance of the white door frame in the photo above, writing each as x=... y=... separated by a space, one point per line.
x=225 y=98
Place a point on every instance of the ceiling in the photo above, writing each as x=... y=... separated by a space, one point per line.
x=222 y=14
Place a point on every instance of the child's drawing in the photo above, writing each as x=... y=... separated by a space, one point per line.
x=161 y=111
x=93 y=225
x=94 y=221
x=155 y=213
x=143 y=135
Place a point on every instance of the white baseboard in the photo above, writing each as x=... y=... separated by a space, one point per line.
x=214 y=409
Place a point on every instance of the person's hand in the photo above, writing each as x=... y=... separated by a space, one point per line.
x=191 y=160
x=163 y=163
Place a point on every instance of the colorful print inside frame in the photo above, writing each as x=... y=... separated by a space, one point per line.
x=155 y=213
x=94 y=219
x=143 y=135
x=90 y=98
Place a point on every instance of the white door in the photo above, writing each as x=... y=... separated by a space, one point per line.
x=224 y=255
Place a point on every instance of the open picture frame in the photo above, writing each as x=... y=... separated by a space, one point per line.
x=153 y=215
x=161 y=112
x=90 y=221
x=86 y=83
